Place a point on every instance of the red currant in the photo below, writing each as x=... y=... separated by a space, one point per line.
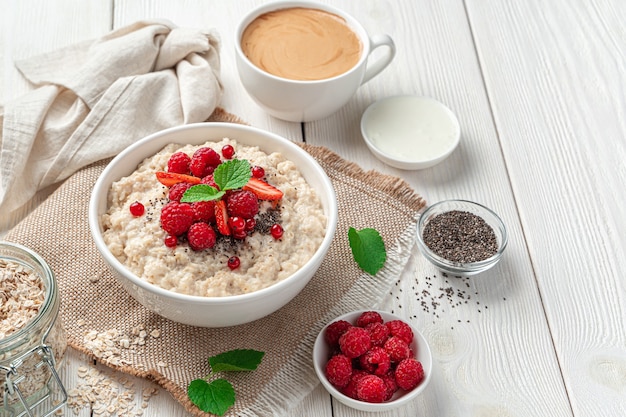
x=137 y=209
x=237 y=223
x=258 y=171
x=234 y=262
x=171 y=241
x=228 y=151
x=250 y=225
x=240 y=234
x=277 y=231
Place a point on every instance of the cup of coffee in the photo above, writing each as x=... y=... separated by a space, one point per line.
x=302 y=61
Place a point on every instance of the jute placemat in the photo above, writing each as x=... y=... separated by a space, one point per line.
x=103 y=321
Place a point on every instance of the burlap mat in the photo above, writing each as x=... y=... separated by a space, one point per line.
x=96 y=308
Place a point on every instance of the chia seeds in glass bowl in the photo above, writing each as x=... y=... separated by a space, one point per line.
x=461 y=237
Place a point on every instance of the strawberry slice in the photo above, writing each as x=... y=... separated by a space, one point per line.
x=170 y=178
x=221 y=218
x=263 y=190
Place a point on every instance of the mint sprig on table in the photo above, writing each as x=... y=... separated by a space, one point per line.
x=368 y=249
x=229 y=175
x=218 y=395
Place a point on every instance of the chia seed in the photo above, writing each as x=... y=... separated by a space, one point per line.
x=266 y=219
x=460 y=236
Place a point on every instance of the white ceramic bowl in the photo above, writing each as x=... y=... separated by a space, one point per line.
x=212 y=311
x=322 y=352
x=410 y=132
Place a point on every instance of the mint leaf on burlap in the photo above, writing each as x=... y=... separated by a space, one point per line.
x=218 y=396
x=368 y=249
x=214 y=397
x=236 y=360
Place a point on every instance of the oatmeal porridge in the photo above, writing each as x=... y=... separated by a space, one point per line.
x=264 y=255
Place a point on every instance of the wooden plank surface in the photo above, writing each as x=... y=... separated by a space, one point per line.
x=540 y=94
x=437 y=58
x=555 y=75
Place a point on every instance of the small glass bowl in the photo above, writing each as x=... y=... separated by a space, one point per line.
x=459 y=268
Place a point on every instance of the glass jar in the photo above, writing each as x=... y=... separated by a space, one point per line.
x=30 y=352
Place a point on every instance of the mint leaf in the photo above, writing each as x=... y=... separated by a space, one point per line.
x=215 y=397
x=236 y=360
x=368 y=249
x=232 y=174
x=201 y=192
x=218 y=395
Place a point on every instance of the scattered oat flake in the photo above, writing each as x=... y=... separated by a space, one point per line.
x=107 y=394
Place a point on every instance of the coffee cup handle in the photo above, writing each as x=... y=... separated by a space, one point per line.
x=381 y=63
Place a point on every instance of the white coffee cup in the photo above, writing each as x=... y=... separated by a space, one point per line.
x=302 y=101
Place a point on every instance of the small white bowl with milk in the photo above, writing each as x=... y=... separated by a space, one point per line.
x=410 y=132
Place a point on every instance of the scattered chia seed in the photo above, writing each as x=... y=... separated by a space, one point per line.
x=460 y=236
x=266 y=219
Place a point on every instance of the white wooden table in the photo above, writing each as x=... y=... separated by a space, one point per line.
x=540 y=91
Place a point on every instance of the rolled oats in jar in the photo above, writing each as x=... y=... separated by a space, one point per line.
x=32 y=338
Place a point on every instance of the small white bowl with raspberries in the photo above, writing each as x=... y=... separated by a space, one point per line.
x=175 y=236
x=372 y=360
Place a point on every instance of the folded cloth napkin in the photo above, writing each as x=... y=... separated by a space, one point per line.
x=95 y=98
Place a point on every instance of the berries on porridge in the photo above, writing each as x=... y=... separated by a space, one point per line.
x=228 y=151
x=370 y=360
x=233 y=262
x=258 y=172
x=137 y=209
x=215 y=219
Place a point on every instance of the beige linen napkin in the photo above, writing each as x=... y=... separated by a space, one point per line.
x=99 y=315
x=95 y=98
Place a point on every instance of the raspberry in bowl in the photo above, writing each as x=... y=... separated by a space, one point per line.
x=372 y=360
x=197 y=234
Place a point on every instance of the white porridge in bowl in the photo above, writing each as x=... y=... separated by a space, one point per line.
x=267 y=238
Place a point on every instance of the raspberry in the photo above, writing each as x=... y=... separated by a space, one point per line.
x=355 y=342
x=375 y=361
x=208 y=180
x=409 y=373
x=350 y=389
x=369 y=317
x=379 y=333
x=400 y=329
x=204 y=161
x=176 y=217
x=204 y=211
x=372 y=389
x=390 y=382
x=179 y=163
x=339 y=370
x=177 y=190
x=397 y=349
x=334 y=331
x=201 y=236
x=243 y=204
